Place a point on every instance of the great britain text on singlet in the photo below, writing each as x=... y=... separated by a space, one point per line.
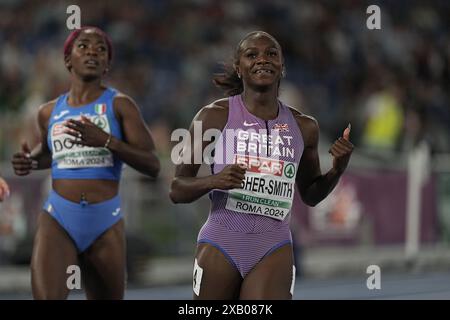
x=262 y=142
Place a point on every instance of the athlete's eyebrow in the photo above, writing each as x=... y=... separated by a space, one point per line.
x=87 y=40
x=255 y=48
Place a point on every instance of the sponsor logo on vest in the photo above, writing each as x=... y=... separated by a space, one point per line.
x=289 y=170
x=249 y=124
x=99 y=121
x=61 y=114
x=261 y=165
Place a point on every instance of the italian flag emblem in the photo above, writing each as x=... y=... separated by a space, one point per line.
x=100 y=108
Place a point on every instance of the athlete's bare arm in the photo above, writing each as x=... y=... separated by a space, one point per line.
x=40 y=157
x=4 y=189
x=186 y=187
x=313 y=185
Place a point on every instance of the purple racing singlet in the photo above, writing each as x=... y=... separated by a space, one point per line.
x=248 y=223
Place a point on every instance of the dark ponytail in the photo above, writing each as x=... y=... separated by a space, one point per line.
x=228 y=81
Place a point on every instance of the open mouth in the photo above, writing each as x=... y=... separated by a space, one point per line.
x=91 y=63
x=264 y=71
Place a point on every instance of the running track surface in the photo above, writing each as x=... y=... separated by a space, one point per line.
x=427 y=286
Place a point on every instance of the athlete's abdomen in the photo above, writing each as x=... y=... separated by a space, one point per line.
x=93 y=191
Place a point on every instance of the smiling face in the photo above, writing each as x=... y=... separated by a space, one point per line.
x=89 y=55
x=259 y=61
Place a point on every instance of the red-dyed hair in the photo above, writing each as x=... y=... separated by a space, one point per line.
x=68 y=44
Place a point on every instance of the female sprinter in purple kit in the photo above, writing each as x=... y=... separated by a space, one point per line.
x=244 y=250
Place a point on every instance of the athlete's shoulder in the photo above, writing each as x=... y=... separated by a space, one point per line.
x=45 y=109
x=44 y=113
x=308 y=125
x=218 y=106
x=214 y=115
x=303 y=119
x=124 y=99
x=123 y=104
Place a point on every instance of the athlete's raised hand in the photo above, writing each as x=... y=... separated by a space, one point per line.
x=341 y=151
x=230 y=177
x=22 y=161
x=4 y=189
x=86 y=132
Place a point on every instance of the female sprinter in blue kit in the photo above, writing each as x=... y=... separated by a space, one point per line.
x=86 y=135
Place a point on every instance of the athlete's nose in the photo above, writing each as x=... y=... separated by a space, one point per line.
x=91 y=51
x=261 y=60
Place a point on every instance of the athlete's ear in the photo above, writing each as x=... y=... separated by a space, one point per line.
x=238 y=71
x=67 y=62
x=106 y=69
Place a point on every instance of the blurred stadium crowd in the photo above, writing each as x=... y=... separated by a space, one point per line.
x=391 y=84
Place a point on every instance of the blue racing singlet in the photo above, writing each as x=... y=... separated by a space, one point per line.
x=75 y=161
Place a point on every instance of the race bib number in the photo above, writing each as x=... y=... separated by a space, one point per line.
x=69 y=155
x=268 y=187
